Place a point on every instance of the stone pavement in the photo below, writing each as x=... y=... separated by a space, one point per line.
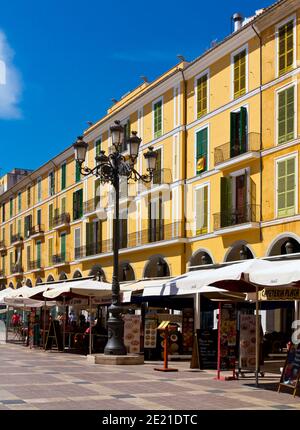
x=38 y=380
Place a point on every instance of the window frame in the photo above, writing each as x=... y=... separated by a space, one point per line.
x=39 y=189
x=277 y=27
x=197 y=130
x=159 y=99
x=232 y=55
x=276 y=161
x=199 y=76
x=197 y=188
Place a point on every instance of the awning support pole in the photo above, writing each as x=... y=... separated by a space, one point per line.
x=7 y=319
x=90 y=338
x=44 y=328
x=257 y=338
x=64 y=325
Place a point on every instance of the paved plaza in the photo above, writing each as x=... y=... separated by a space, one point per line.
x=38 y=380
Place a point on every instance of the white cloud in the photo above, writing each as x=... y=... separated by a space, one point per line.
x=10 y=82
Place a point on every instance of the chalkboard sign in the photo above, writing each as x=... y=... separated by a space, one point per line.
x=205 y=350
x=228 y=336
x=290 y=376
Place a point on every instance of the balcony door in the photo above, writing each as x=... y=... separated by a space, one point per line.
x=234 y=199
x=93 y=238
x=155 y=220
x=238 y=132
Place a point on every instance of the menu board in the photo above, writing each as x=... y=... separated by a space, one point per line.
x=247 y=342
x=207 y=341
x=132 y=333
x=291 y=372
x=228 y=336
x=187 y=330
x=150 y=333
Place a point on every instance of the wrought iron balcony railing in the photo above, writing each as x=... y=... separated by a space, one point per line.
x=160 y=177
x=62 y=258
x=38 y=229
x=229 y=150
x=236 y=216
x=16 y=238
x=2 y=273
x=91 y=206
x=16 y=268
x=35 y=265
x=62 y=219
x=88 y=250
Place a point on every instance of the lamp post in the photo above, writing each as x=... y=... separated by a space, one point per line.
x=108 y=169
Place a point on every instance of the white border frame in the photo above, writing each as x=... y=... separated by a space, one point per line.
x=206 y=125
x=277 y=91
x=161 y=98
x=196 y=188
x=276 y=161
x=232 y=55
x=277 y=27
x=203 y=73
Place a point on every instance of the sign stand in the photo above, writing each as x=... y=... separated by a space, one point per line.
x=219 y=377
x=164 y=326
x=290 y=376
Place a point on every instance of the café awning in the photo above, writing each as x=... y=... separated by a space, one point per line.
x=86 y=287
x=276 y=273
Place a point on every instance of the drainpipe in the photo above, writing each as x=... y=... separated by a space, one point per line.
x=261 y=123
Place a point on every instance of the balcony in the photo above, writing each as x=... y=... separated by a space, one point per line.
x=61 y=259
x=2 y=274
x=37 y=231
x=35 y=266
x=3 y=250
x=92 y=209
x=17 y=239
x=161 y=182
x=88 y=250
x=239 y=219
x=16 y=269
x=228 y=154
x=61 y=221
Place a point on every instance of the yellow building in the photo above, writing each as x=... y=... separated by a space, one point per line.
x=226 y=130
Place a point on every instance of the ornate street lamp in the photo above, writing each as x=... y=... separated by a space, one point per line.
x=108 y=169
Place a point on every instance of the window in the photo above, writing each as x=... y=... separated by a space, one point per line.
x=11 y=207
x=238 y=132
x=51 y=184
x=63 y=205
x=93 y=238
x=50 y=216
x=39 y=217
x=127 y=128
x=201 y=150
x=158 y=171
x=286 y=115
x=50 y=251
x=201 y=197
x=239 y=74
x=98 y=144
x=97 y=192
x=63 y=246
x=19 y=202
x=286 y=187
x=77 y=204
x=28 y=197
x=155 y=220
x=63 y=176
x=3 y=234
x=27 y=226
x=77 y=172
x=286 y=47
x=11 y=232
x=11 y=260
x=28 y=257
x=19 y=227
x=39 y=189
x=157 y=113
x=38 y=253
x=202 y=95
x=3 y=212
x=77 y=241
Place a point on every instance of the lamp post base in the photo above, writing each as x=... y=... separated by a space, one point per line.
x=115 y=325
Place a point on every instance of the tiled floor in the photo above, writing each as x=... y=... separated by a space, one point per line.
x=38 y=380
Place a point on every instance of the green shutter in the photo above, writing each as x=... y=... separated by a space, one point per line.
x=50 y=251
x=158 y=119
x=77 y=172
x=63 y=176
x=233 y=134
x=202 y=143
x=80 y=203
x=63 y=205
x=239 y=79
x=286 y=187
x=286 y=47
x=38 y=253
x=243 y=130
x=202 y=210
x=286 y=115
x=50 y=219
x=63 y=246
x=75 y=206
x=226 y=201
x=98 y=146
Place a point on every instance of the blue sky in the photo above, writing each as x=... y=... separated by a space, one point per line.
x=66 y=59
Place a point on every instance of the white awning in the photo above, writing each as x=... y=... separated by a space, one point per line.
x=83 y=288
x=23 y=302
x=277 y=273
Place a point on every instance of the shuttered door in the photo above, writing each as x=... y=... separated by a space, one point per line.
x=157 y=178
x=202 y=96
x=90 y=245
x=286 y=115
x=239 y=74
x=38 y=254
x=286 y=47
x=226 y=202
x=63 y=246
x=243 y=130
x=286 y=187
x=234 y=134
x=201 y=210
x=202 y=137
x=63 y=176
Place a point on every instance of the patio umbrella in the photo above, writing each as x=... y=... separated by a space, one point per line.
x=276 y=273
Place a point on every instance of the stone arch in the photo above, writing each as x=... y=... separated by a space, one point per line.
x=201 y=257
x=156 y=267
x=11 y=285
x=50 y=278
x=285 y=243
x=2 y=286
x=77 y=274
x=126 y=272
x=39 y=281
x=239 y=250
x=98 y=271
x=19 y=284
x=62 y=276
x=28 y=283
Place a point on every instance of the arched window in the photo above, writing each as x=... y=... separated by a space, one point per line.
x=156 y=267
x=239 y=251
x=284 y=245
x=98 y=272
x=200 y=258
x=63 y=276
x=39 y=281
x=19 y=284
x=50 y=278
x=28 y=283
x=77 y=274
x=126 y=272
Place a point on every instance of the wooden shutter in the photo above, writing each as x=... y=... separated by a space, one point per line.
x=158 y=119
x=286 y=115
x=226 y=201
x=243 y=130
x=202 y=143
x=286 y=187
x=39 y=217
x=50 y=251
x=234 y=134
x=77 y=172
x=97 y=192
x=63 y=176
x=201 y=210
x=80 y=203
x=202 y=96
x=286 y=47
x=157 y=178
x=98 y=146
x=239 y=80
x=63 y=245
x=38 y=253
x=75 y=205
